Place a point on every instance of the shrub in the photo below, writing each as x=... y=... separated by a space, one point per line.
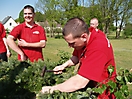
x=22 y=80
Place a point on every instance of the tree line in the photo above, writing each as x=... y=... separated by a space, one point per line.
x=112 y=14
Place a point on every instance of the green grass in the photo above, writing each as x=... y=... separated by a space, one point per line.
x=123 y=54
x=52 y=48
x=122 y=51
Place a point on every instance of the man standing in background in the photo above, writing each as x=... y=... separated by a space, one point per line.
x=94 y=23
x=4 y=50
x=31 y=37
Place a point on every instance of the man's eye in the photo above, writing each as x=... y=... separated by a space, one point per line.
x=71 y=43
x=91 y=24
x=28 y=13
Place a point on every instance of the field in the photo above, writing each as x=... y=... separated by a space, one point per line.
x=123 y=53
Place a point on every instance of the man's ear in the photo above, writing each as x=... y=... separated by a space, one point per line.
x=97 y=24
x=84 y=37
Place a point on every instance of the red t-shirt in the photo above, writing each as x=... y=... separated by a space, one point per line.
x=95 y=58
x=30 y=35
x=2 y=35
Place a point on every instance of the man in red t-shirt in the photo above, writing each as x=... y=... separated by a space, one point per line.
x=93 y=52
x=4 y=50
x=31 y=37
x=94 y=23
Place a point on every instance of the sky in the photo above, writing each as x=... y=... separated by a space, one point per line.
x=13 y=7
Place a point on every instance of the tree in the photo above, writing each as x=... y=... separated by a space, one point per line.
x=128 y=30
x=39 y=17
x=123 y=14
x=107 y=12
x=49 y=9
x=21 y=17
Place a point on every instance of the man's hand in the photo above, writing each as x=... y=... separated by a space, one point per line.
x=130 y=70
x=59 y=69
x=23 y=57
x=47 y=89
x=22 y=42
x=8 y=54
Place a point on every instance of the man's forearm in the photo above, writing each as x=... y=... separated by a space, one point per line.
x=13 y=45
x=74 y=83
x=5 y=42
x=37 y=44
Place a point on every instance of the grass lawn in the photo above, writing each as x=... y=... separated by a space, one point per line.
x=122 y=51
x=123 y=54
x=52 y=48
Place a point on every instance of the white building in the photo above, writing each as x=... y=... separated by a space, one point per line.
x=9 y=23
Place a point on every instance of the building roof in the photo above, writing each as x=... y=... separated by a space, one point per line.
x=6 y=19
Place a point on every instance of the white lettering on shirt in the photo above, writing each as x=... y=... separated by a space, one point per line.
x=108 y=42
x=36 y=32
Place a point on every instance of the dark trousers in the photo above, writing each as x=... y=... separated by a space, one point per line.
x=3 y=56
